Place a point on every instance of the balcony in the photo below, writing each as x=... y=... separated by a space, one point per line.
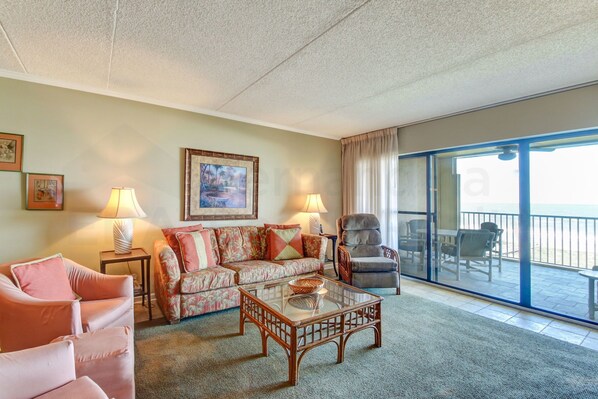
x=561 y=247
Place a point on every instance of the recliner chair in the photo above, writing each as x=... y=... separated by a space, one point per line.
x=363 y=261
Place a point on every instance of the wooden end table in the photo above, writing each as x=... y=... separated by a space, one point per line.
x=300 y=323
x=332 y=238
x=136 y=254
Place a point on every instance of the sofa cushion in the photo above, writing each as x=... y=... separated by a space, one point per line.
x=255 y=271
x=100 y=313
x=240 y=243
x=44 y=279
x=285 y=243
x=196 y=250
x=373 y=264
x=268 y=226
x=83 y=387
x=294 y=267
x=170 y=236
x=207 y=279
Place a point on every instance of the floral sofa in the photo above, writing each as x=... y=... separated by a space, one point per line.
x=239 y=252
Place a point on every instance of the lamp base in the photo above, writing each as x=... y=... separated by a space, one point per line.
x=314 y=223
x=123 y=236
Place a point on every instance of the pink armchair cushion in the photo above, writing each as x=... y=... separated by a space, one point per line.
x=170 y=236
x=196 y=250
x=103 y=312
x=44 y=279
x=107 y=356
x=83 y=387
x=32 y=372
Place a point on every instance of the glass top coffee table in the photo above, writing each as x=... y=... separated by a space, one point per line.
x=300 y=322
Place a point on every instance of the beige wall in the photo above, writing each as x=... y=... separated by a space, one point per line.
x=570 y=110
x=98 y=142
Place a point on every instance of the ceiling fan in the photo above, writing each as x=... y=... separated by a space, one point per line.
x=509 y=152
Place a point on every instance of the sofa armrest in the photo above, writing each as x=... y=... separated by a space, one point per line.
x=26 y=322
x=314 y=246
x=32 y=372
x=92 y=285
x=167 y=281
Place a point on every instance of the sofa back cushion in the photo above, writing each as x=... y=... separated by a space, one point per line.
x=240 y=243
x=170 y=236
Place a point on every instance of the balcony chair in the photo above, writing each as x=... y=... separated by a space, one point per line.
x=473 y=247
x=47 y=372
x=25 y=321
x=363 y=261
x=413 y=242
x=493 y=227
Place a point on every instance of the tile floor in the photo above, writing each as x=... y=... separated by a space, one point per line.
x=556 y=289
x=572 y=333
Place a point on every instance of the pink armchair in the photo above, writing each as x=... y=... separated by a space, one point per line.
x=46 y=372
x=26 y=322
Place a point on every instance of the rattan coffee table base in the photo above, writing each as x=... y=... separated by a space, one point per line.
x=299 y=337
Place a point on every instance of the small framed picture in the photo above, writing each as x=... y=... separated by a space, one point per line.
x=45 y=192
x=11 y=152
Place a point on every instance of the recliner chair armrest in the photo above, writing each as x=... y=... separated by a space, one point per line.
x=92 y=285
x=392 y=254
x=26 y=322
x=344 y=263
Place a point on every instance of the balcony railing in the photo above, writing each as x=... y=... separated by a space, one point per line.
x=568 y=241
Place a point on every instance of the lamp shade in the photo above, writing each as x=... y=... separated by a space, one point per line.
x=314 y=204
x=122 y=205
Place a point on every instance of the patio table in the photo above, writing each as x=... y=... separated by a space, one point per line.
x=592 y=276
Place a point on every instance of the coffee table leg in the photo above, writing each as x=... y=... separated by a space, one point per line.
x=293 y=367
x=264 y=341
x=378 y=329
x=340 y=357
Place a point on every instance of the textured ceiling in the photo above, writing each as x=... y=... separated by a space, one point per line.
x=333 y=68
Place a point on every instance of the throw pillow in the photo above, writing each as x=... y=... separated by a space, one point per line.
x=196 y=250
x=44 y=279
x=170 y=236
x=274 y=226
x=285 y=244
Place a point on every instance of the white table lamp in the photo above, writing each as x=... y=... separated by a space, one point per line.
x=314 y=206
x=122 y=207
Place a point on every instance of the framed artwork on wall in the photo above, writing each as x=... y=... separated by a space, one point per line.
x=11 y=152
x=45 y=192
x=220 y=186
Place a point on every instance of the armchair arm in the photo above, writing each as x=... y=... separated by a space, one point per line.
x=26 y=322
x=32 y=372
x=314 y=246
x=392 y=254
x=167 y=277
x=91 y=285
x=344 y=264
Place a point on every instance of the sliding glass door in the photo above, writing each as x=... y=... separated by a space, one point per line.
x=563 y=223
x=515 y=221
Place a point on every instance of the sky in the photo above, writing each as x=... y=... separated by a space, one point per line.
x=566 y=176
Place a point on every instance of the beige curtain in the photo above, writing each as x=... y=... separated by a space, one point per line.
x=370 y=170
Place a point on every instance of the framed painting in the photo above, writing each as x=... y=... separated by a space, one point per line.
x=45 y=192
x=11 y=152
x=220 y=186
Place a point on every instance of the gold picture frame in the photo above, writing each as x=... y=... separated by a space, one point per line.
x=220 y=186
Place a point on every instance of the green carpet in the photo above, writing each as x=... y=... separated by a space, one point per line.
x=429 y=350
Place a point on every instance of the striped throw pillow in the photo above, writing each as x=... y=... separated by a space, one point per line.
x=196 y=250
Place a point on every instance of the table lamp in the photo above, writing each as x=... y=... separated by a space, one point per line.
x=122 y=207
x=314 y=206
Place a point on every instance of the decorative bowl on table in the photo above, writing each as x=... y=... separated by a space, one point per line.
x=306 y=285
